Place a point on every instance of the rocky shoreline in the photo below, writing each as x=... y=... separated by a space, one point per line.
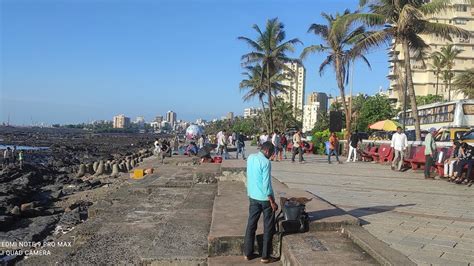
x=38 y=200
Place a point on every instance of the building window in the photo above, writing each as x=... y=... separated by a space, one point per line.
x=461 y=8
x=460 y=21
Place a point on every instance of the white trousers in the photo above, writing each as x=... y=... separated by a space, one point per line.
x=449 y=168
x=352 y=151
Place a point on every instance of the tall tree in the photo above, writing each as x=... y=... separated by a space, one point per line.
x=339 y=36
x=464 y=83
x=255 y=84
x=447 y=56
x=403 y=21
x=437 y=66
x=270 y=50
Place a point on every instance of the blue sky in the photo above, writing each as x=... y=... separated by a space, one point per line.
x=75 y=61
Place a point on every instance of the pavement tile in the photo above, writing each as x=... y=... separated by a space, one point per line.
x=458 y=257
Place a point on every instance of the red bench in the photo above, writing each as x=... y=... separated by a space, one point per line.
x=368 y=156
x=417 y=157
x=383 y=153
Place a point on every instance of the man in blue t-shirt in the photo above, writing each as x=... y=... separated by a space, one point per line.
x=262 y=199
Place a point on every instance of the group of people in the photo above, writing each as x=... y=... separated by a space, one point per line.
x=453 y=167
x=11 y=156
x=224 y=140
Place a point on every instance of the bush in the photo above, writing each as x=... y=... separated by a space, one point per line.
x=320 y=138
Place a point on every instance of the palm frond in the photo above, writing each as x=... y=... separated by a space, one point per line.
x=443 y=30
x=312 y=49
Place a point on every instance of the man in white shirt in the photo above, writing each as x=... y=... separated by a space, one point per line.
x=399 y=145
x=220 y=141
x=276 y=144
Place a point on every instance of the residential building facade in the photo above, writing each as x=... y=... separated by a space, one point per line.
x=424 y=77
x=121 y=121
x=171 y=118
x=297 y=83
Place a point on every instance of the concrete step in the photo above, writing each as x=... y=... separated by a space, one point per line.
x=230 y=213
x=236 y=261
x=322 y=248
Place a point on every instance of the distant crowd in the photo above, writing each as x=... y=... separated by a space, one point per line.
x=12 y=157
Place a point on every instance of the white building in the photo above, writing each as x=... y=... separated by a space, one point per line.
x=171 y=118
x=121 y=121
x=310 y=115
x=295 y=96
x=252 y=112
x=425 y=82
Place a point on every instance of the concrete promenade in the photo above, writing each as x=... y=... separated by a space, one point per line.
x=430 y=221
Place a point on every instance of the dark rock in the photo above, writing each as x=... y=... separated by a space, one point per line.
x=31 y=229
x=15 y=211
x=27 y=206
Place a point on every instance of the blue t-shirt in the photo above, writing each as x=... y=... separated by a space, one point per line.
x=259 y=180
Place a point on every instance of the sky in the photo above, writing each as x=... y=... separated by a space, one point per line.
x=72 y=61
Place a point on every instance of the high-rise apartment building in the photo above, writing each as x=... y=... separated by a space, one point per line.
x=171 y=118
x=458 y=14
x=295 y=96
x=321 y=98
x=121 y=121
x=230 y=116
x=310 y=115
x=159 y=119
x=251 y=112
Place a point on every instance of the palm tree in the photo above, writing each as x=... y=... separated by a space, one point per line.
x=339 y=38
x=447 y=56
x=270 y=49
x=255 y=82
x=404 y=21
x=284 y=114
x=437 y=66
x=464 y=83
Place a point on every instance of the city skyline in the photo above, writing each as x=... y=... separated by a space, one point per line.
x=93 y=60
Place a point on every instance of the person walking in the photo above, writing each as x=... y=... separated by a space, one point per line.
x=297 y=147
x=7 y=154
x=430 y=150
x=14 y=154
x=399 y=145
x=262 y=200
x=201 y=142
x=276 y=144
x=221 y=139
x=284 y=145
x=333 y=147
x=240 y=145
x=354 y=144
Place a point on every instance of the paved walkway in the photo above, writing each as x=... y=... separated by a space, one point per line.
x=432 y=222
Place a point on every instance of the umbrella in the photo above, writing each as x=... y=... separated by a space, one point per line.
x=386 y=125
x=194 y=132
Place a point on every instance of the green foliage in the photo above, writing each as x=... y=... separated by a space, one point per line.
x=322 y=121
x=374 y=108
x=320 y=138
x=464 y=83
x=430 y=98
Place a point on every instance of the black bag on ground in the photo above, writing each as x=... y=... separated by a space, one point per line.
x=293 y=218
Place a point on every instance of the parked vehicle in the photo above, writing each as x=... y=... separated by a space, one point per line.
x=458 y=113
x=411 y=135
x=448 y=134
x=468 y=137
x=381 y=135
